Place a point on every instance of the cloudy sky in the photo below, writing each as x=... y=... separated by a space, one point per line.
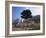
x=16 y=11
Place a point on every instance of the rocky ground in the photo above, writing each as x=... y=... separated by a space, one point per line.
x=26 y=25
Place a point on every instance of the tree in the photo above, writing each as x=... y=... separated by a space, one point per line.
x=26 y=14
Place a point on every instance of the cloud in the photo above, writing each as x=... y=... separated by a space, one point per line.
x=34 y=10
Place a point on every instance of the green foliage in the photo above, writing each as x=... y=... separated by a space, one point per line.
x=26 y=14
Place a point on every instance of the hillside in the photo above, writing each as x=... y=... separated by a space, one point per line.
x=27 y=24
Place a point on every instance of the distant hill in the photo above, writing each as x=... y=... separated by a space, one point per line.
x=34 y=18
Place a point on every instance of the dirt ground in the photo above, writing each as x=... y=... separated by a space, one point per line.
x=31 y=27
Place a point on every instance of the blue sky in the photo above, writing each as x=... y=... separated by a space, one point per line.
x=16 y=11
